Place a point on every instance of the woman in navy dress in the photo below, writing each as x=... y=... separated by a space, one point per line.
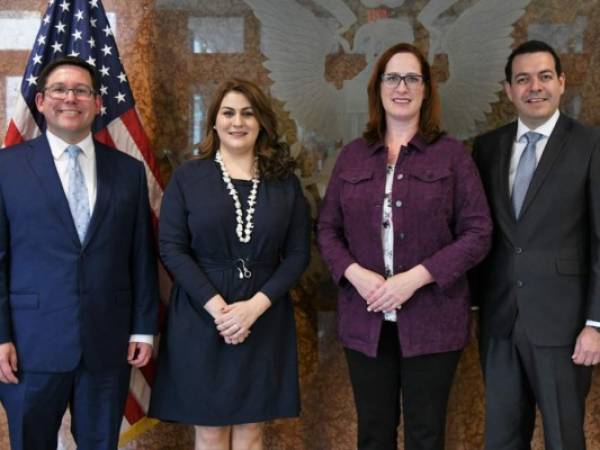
x=234 y=234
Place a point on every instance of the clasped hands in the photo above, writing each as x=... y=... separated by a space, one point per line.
x=233 y=321
x=383 y=295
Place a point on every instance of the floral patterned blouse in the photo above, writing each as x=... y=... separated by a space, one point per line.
x=387 y=233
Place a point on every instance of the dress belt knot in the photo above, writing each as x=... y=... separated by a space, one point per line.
x=244 y=266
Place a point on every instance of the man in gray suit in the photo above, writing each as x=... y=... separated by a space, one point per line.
x=539 y=288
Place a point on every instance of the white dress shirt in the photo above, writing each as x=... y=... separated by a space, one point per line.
x=518 y=146
x=87 y=161
x=520 y=143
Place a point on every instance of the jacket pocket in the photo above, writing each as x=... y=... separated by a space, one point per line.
x=356 y=194
x=432 y=176
x=571 y=267
x=430 y=188
x=24 y=301
x=354 y=176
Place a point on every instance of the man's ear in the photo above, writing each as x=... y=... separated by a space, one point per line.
x=98 y=103
x=562 y=79
x=507 y=89
x=39 y=101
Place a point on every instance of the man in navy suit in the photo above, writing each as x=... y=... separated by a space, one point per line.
x=539 y=287
x=78 y=282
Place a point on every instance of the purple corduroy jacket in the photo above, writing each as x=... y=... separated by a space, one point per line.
x=441 y=219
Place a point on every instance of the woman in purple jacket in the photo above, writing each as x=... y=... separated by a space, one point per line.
x=404 y=218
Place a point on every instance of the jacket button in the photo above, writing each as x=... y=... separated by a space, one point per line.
x=518 y=250
x=519 y=283
x=400 y=176
x=398 y=203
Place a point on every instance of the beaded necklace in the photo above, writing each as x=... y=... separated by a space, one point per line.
x=243 y=232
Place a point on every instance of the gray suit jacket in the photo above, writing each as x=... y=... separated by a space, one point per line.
x=545 y=266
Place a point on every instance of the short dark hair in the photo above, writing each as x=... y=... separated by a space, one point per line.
x=531 y=47
x=67 y=61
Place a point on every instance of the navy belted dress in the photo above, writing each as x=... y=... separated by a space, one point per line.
x=200 y=379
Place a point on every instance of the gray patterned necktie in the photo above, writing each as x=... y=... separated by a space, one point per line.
x=525 y=169
x=77 y=193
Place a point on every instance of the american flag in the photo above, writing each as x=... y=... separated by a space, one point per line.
x=80 y=28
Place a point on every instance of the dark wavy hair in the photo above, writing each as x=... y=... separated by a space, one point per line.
x=274 y=160
x=430 y=116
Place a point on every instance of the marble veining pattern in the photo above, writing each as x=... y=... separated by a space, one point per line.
x=165 y=74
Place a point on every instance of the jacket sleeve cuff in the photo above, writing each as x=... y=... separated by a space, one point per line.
x=592 y=323
x=5 y=331
x=340 y=268
x=143 y=338
x=441 y=277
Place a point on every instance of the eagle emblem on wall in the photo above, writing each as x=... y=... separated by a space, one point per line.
x=296 y=43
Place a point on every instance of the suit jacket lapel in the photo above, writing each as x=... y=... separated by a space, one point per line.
x=553 y=149
x=505 y=213
x=104 y=179
x=41 y=162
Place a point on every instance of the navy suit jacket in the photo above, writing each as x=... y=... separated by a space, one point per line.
x=62 y=302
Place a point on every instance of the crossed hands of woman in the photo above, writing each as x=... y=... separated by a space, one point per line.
x=233 y=321
x=386 y=295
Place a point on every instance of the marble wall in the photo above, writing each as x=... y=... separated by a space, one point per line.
x=175 y=52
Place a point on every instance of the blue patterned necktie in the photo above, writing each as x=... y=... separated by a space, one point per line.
x=525 y=169
x=77 y=193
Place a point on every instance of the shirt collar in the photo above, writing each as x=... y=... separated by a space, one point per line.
x=417 y=142
x=58 y=146
x=376 y=146
x=545 y=129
